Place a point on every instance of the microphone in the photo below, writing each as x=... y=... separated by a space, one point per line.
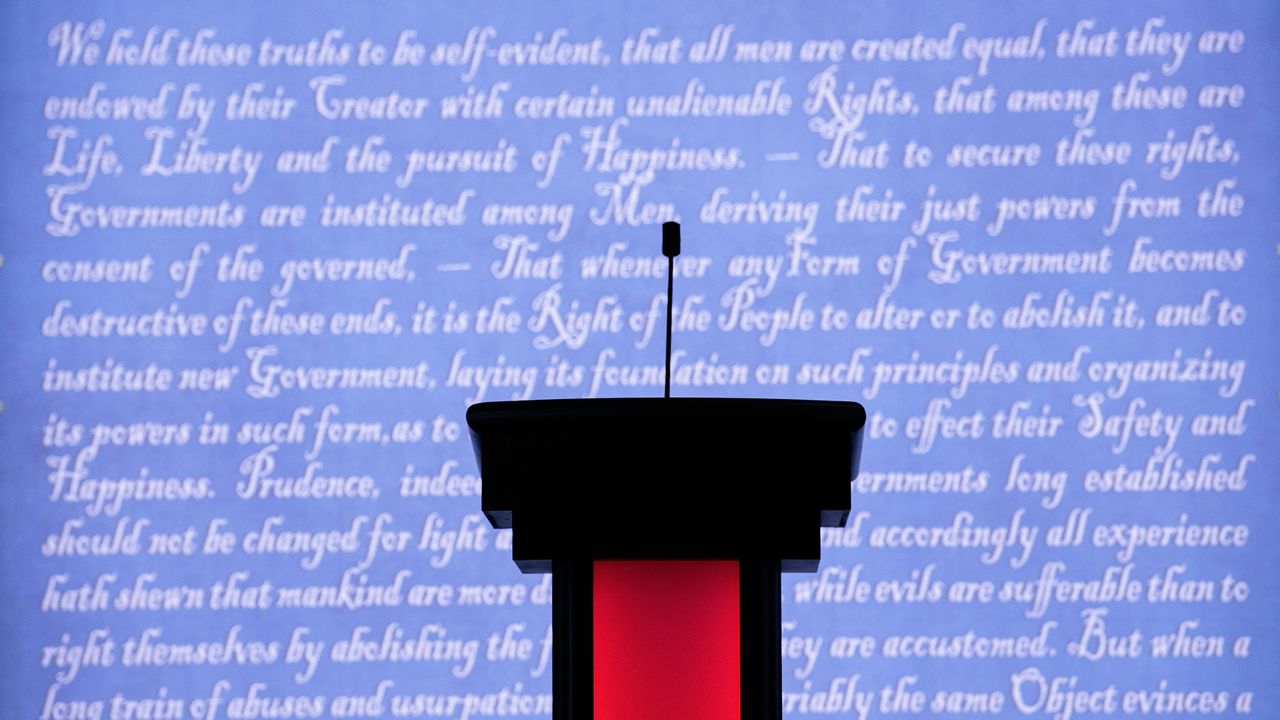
x=670 y=248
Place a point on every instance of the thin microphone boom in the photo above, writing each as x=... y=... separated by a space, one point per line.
x=670 y=248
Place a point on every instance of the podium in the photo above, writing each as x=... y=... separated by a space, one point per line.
x=666 y=523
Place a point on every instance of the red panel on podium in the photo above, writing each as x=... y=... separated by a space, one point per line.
x=666 y=640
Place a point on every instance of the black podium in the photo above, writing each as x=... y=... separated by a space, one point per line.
x=666 y=523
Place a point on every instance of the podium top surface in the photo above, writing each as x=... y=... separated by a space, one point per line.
x=726 y=414
x=666 y=477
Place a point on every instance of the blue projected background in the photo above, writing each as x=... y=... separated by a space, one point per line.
x=259 y=259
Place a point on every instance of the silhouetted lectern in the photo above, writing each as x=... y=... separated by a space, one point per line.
x=666 y=523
